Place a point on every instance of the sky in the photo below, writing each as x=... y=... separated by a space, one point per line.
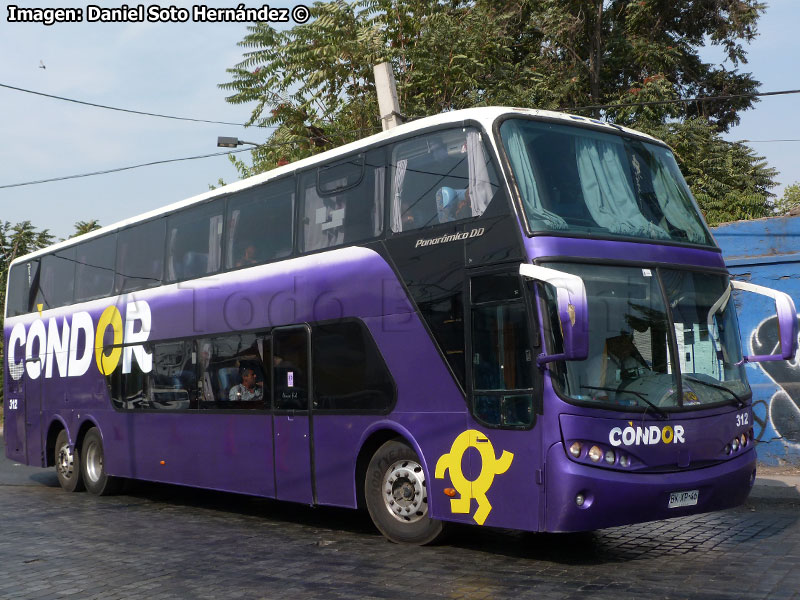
x=175 y=68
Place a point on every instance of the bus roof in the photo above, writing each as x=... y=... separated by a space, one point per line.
x=486 y=116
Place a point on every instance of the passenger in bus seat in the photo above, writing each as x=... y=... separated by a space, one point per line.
x=249 y=389
x=249 y=256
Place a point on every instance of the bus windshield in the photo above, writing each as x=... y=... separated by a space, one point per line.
x=580 y=181
x=632 y=361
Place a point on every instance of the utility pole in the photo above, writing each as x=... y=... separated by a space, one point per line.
x=388 y=104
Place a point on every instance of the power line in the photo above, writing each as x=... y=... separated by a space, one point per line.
x=127 y=110
x=171 y=160
x=765 y=141
x=118 y=169
x=680 y=100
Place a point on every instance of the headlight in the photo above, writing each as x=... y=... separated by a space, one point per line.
x=575 y=449
x=595 y=454
x=610 y=457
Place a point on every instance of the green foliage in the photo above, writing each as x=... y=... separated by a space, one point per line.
x=789 y=201
x=16 y=240
x=313 y=83
x=82 y=227
x=728 y=180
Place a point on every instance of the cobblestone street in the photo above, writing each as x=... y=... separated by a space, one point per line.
x=158 y=541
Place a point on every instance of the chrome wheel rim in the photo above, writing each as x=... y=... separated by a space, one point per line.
x=404 y=492
x=65 y=462
x=94 y=461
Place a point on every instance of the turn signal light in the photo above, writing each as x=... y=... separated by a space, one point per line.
x=449 y=492
x=595 y=454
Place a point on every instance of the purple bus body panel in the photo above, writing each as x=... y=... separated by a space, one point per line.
x=617 y=498
x=293 y=458
x=544 y=246
x=430 y=411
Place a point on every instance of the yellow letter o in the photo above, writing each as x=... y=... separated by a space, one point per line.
x=107 y=364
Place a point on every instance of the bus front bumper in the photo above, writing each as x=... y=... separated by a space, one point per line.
x=612 y=497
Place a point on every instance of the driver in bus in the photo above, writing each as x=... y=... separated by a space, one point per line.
x=249 y=389
x=620 y=361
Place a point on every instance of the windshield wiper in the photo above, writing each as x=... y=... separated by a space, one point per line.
x=737 y=400
x=661 y=414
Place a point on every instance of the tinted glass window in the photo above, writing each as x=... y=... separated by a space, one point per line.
x=57 y=279
x=131 y=391
x=502 y=355
x=231 y=368
x=23 y=276
x=349 y=372
x=260 y=224
x=94 y=270
x=140 y=256
x=290 y=368
x=441 y=177
x=595 y=183
x=194 y=242
x=173 y=382
x=341 y=205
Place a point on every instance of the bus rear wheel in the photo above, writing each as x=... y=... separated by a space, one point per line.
x=97 y=481
x=396 y=495
x=68 y=464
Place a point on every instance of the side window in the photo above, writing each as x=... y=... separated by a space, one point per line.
x=94 y=269
x=194 y=242
x=57 y=279
x=22 y=281
x=440 y=177
x=140 y=256
x=131 y=391
x=343 y=202
x=173 y=383
x=260 y=224
x=502 y=355
x=232 y=372
x=290 y=368
x=349 y=372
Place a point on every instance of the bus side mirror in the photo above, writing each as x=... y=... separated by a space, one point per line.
x=787 y=321
x=573 y=313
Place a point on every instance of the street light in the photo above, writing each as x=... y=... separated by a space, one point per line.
x=232 y=142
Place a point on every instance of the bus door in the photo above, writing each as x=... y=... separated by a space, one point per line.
x=291 y=380
x=33 y=414
x=505 y=396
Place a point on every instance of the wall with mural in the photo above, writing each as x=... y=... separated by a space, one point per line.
x=767 y=252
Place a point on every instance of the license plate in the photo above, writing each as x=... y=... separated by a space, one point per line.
x=678 y=499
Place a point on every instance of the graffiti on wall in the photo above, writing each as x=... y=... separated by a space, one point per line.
x=777 y=417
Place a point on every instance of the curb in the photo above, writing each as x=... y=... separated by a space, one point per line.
x=776 y=487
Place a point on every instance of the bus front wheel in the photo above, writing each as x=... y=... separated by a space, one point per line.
x=397 y=496
x=68 y=464
x=97 y=481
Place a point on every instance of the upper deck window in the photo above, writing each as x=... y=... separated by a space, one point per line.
x=581 y=181
x=194 y=242
x=140 y=256
x=440 y=177
x=343 y=202
x=260 y=224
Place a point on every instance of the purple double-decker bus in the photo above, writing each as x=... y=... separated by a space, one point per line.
x=505 y=317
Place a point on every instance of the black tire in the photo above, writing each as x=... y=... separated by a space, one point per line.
x=68 y=464
x=397 y=498
x=97 y=481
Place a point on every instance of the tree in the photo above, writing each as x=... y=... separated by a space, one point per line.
x=790 y=201
x=16 y=240
x=82 y=227
x=313 y=83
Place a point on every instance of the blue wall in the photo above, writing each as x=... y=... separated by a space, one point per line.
x=767 y=252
